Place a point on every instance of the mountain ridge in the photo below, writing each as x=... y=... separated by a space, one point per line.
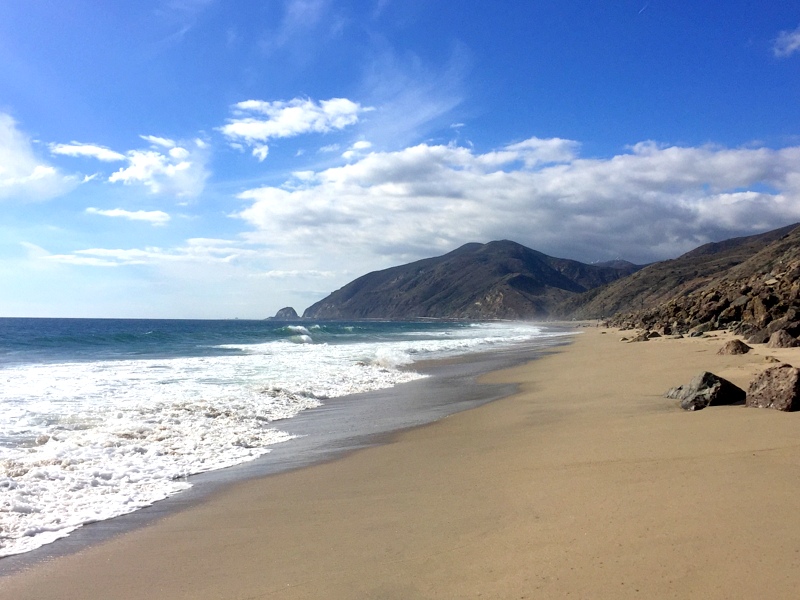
x=500 y=279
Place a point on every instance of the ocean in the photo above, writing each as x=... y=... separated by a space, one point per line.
x=101 y=417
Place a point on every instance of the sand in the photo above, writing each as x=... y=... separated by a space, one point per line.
x=586 y=484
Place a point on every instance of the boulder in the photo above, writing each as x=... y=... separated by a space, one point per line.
x=706 y=389
x=760 y=336
x=777 y=387
x=782 y=339
x=734 y=347
x=642 y=337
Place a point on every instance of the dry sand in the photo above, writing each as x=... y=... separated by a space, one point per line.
x=586 y=484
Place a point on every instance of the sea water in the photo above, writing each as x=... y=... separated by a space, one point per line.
x=100 y=417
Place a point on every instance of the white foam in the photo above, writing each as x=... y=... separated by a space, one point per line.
x=88 y=441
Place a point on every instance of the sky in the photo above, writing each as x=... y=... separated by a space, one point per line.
x=227 y=158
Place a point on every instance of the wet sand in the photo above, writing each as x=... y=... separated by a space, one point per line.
x=585 y=484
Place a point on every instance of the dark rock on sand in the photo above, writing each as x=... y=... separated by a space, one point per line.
x=777 y=387
x=734 y=347
x=706 y=389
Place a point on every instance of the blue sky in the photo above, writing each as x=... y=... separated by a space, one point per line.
x=219 y=159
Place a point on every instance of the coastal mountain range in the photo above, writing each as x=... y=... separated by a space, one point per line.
x=755 y=279
x=498 y=280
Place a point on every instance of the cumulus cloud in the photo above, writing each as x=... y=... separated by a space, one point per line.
x=255 y=122
x=648 y=203
x=356 y=149
x=787 y=43
x=23 y=175
x=89 y=150
x=166 y=167
x=155 y=217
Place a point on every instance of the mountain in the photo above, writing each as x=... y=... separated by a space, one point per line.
x=659 y=282
x=501 y=279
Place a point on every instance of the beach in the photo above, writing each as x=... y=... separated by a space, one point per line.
x=586 y=483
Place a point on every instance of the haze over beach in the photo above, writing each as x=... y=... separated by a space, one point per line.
x=199 y=158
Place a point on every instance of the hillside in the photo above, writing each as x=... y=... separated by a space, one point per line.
x=500 y=279
x=662 y=281
x=757 y=297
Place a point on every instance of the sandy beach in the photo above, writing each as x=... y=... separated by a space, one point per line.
x=588 y=483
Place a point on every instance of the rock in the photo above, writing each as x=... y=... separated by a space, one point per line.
x=653 y=334
x=771 y=359
x=761 y=336
x=782 y=339
x=697 y=334
x=642 y=337
x=702 y=328
x=734 y=347
x=287 y=314
x=777 y=387
x=706 y=389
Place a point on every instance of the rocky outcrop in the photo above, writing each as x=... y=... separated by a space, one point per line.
x=689 y=274
x=706 y=389
x=287 y=314
x=782 y=339
x=755 y=298
x=777 y=387
x=734 y=347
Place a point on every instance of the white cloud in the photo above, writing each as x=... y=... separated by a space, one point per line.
x=648 y=203
x=180 y=172
x=296 y=273
x=89 y=150
x=787 y=43
x=197 y=251
x=159 y=141
x=23 y=176
x=256 y=121
x=155 y=217
x=356 y=149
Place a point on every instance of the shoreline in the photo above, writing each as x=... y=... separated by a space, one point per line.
x=586 y=482
x=326 y=433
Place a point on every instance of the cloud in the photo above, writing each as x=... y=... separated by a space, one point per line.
x=295 y=274
x=787 y=43
x=256 y=121
x=649 y=203
x=356 y=149
x=89 y=150
x=412 y=98
x=197 y=251
x=158 y=141
x=155 y=217
x=181 y=171
x=23 y=176
x=300 y=18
